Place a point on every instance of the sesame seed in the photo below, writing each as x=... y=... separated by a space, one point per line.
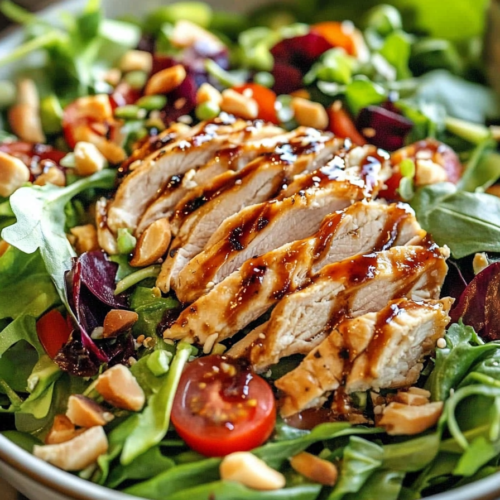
x=441 y=343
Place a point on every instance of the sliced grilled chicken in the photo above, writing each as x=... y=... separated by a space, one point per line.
x=261 y=228
x=146 y=181
x=378 y=350
x=229 y=193
x=349 y=288
x=233 y=158
x=261 y=282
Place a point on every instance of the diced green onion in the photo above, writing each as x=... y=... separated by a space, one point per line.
x=406 y=189
x=264 y=78
x=134 y=278
x=159 y=362
x=51 y=114
x=126 y=241
x=7 y=94
x=207 y=110
x=407 y=168
x=224 y=77
x=136 y=79
x=472 y=132
x=152 y=102
x=68 y=161
x=130 y=112
x=384 y=19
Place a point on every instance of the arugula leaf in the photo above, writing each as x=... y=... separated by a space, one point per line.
x=466 y=222
x=40 y=223
x=361 y=458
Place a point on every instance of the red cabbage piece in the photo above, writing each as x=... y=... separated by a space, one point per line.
x=293 y=58
x=479 y=304
x=390 y=127
x=90 y=285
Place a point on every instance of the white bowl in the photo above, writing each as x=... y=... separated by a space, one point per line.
x=38 y=480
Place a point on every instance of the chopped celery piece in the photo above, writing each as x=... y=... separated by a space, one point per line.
x=138 y=276
x=159 y=362
x=126 y=241
x=152 y=102
x=207 y=110
x=51 y=114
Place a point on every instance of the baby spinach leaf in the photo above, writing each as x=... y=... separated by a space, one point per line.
x=40 y=222
x=411 y=455
x=361 y=458
x=479 y=453
x=397 y=51
x=466 y=222
x=22 y=439
x=384 y=484
x=483 y=168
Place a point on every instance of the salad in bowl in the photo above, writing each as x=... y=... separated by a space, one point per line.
x=253 y=256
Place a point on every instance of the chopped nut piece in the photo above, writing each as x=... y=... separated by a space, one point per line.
x=480 y=262
x=207 y=93
x=13 y=174
x=411 y=399
x=427 y=172
x=26 y=123
x=118 y=321
x=237 y=104
x=86 y=238
x=53 y=176
x=303 y=93
x=95 y=106
x=120 y=388
x=136 y=60
x=88 y=159
x=76 y=454
x=153 y=244
x=84 y=412
x=166 y=80
x=27 y=93
x=399 y=419
x=186 y=34
x=62 y=430
x=494 y=190
x=420 y=392
x=309 y=114
x=245 y=468
x=113 y=77
x=314 y=468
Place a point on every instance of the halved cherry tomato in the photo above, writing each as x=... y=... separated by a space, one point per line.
x=342 y=125
x=339 y=35
x=53 y=332
x=221 y=407
x=436 y=151
x=266 y=99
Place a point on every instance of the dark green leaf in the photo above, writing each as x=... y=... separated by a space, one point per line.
x=382 y=484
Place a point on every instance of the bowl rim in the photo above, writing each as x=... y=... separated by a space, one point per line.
x=76 y=488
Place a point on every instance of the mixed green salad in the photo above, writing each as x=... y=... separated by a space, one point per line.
x=393 y=75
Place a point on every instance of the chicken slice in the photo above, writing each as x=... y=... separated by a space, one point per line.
x=349 y=288
x=233 y=158
x=261 y=228
x=146 y=181
x=379 y=350
x=229 y=193
x=261 y=282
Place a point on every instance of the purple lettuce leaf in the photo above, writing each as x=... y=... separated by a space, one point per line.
x=479 y=304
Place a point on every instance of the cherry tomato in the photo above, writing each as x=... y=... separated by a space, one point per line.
x=266 y=100
x=436 y=151
x=221 y=407
x=53 y=332
x=338 y=34
x=342 y=125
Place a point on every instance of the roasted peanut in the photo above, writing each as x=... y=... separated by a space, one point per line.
x=136 y=60
x=85 y=238
x=153 y=244
x=62 y=430
x=245 y=468
x=309 y=114
x=53 y=176
x=120 y=388
x=238 y=104
x=314 y=468
x=118 y=321
x=207 y=93
x=76 y=454
x=480 y=262
x=399 y=419
x=13 y=174
x=84 y=412
x=95 y=106
x=4 y=246
x=166 y=80
x=88 y=159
